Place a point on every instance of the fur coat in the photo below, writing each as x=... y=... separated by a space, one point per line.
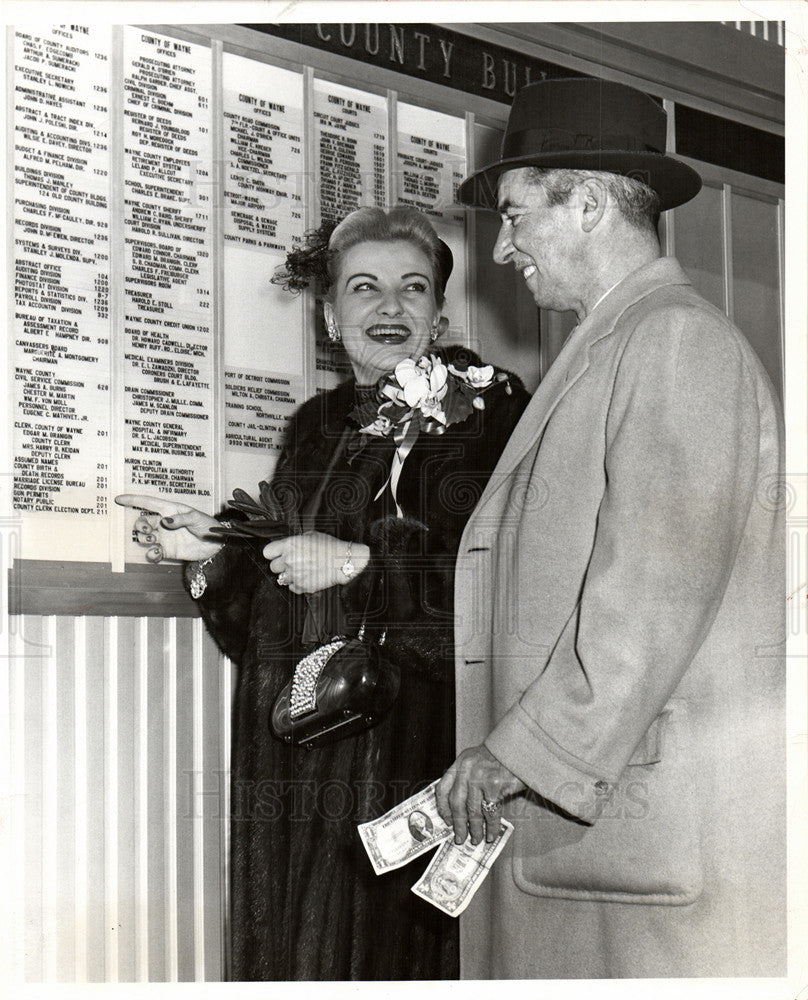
x=306 y=903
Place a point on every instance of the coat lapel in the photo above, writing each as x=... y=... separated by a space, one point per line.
x=574 y=360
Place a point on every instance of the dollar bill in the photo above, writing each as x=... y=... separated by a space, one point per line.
x=457 y=872
x=405 y=832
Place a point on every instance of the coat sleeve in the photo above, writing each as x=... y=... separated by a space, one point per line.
x=226 y=605
x=681 y=458
x=238 y=569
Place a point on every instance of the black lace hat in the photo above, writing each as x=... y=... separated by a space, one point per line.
x=586 y=124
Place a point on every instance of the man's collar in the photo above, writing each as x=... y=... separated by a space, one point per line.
x=634 y=286
x=656 y=273
x=594 y=307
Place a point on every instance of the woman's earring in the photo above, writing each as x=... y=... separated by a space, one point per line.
x=333 y=333
x=439 y=327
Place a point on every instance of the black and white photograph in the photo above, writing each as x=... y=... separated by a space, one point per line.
x=404 y=497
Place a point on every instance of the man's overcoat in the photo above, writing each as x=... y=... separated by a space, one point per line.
x=620 y=594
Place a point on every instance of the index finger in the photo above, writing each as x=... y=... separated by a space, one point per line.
x=442 y=789
x=159 y=505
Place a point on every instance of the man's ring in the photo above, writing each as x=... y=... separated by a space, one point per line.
x=491 y=806
x=283 y=579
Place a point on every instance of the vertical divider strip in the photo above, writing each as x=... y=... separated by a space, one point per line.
x=141 y=832
x=470 y=233
x=218 y=332
x=14 y=908
x=668 y=221
x=50 y=812
x=197 y=798
x=80 y=793
x=226 y=673
x=117 y=291
x=391 y=182
x=781 y=282
x=111 y=826
x=310 y=214
x=170 y=786
x=726 y=222
x=219 y=173
x=225 y=669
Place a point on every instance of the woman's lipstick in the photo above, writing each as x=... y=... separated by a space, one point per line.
x=388 y=333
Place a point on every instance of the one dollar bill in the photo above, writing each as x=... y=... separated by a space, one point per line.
x=408 y=830
x=457 y=872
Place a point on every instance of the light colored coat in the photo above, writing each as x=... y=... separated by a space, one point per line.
x=620 y=598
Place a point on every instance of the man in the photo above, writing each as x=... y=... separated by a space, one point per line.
x=620 y=588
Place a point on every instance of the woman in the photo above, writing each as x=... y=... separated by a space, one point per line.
x=306 y=902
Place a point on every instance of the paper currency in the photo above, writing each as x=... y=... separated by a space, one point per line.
x=457 y=872
x=405 y=832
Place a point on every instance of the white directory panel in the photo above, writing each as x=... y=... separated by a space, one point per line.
x=264 y=216
x=262 y=118
x=430 y=164
x=60 y=356
x=168 y=185
x=351 y=141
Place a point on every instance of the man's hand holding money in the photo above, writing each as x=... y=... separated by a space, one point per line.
x=469 y=796
x=413 y=827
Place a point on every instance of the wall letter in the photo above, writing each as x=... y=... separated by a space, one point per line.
x=510 y=77
x=489 y=80
x=372 y=51
x=447 y=55
x=396 y=44
x=422 y=38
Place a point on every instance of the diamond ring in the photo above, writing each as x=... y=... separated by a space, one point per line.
x=283 y=579
x=491 y=806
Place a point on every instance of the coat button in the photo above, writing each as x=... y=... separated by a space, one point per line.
x=601 y=787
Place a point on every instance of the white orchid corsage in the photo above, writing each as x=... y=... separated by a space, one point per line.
x=425 y=395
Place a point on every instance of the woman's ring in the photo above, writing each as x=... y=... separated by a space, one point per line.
x=283 y=579
x=491 y=806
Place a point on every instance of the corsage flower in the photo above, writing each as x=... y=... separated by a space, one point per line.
x=423 y=384
x=424 y=395
x=381 y=426
x=477 y=378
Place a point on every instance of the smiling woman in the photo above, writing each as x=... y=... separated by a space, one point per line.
x=382 y=472
x=385 y=308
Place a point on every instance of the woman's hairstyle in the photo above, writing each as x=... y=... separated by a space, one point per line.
x=316 y=260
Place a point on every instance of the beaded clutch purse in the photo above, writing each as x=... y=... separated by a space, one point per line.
x=340 y=688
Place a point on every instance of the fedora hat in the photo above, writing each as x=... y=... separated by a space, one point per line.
x=586 y=124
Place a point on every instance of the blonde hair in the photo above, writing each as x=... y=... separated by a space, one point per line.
x=314 y=260
x=398 y=223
